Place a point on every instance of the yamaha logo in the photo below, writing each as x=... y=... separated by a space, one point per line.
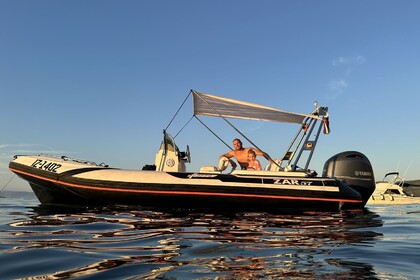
x=363 y=173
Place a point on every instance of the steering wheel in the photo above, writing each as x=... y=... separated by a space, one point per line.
x=188 y=154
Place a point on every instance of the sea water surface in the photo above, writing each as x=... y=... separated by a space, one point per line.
x=38 y=242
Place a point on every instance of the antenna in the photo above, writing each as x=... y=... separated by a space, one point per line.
x=408 y=168
x=398 y=165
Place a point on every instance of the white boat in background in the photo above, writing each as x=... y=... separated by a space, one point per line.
x=347 y=181
x=391 y=190
x=411 y=187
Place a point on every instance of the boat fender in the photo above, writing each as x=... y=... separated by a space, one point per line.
x=223 y=163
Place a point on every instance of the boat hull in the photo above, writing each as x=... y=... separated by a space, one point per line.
x=392 y=199
x=412 y=187
x=84 y=185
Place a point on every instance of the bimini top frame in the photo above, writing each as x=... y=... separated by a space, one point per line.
x=227 y=108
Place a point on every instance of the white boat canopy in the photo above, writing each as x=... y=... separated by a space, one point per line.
x=216 y=106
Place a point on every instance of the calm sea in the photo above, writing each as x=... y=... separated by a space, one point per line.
x=383 y=242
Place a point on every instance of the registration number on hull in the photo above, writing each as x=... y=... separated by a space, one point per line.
x=46 y=165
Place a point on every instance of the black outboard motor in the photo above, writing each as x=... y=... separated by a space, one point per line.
x=354 y=170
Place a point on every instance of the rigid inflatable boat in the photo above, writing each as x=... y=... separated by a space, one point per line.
x=347 y=181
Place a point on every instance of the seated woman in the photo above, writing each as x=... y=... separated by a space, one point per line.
x=253 y=163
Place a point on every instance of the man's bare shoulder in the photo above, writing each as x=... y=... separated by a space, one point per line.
x=228 y=154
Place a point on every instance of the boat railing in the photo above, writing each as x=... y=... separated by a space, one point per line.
x=393 y=178
x=270 y=173
x=66 y=158
x=262 y=173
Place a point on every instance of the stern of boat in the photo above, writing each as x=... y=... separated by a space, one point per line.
x=353 y=169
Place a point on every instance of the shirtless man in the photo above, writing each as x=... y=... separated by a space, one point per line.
x=241 y=154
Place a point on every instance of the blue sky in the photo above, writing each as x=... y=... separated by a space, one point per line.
x=99 y=80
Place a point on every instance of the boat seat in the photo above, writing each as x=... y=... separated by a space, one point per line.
x=274 y=167
x=210 y=169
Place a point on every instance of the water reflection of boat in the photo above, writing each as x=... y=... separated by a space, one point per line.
x=171 y=245
x=347 y=181
x=393 y=189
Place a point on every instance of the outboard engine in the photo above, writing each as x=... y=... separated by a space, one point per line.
x=353 y=169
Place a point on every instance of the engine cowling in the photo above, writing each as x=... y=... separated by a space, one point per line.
x=354 y=169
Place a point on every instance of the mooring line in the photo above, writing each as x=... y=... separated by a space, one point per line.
x=6 y=184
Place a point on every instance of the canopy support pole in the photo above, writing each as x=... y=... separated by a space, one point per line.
x=183 y=127
x=302 y=130
x=178 y=110
x=212 y=132
x=313 y=147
